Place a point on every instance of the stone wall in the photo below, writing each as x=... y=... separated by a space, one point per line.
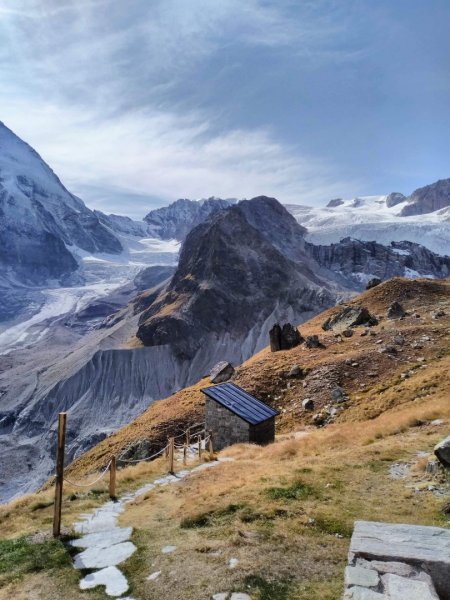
x=394 y=561
x=227 y=427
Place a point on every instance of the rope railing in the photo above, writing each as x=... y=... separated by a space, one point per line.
x=195 y=444
x=87 y=485
x=138 y=460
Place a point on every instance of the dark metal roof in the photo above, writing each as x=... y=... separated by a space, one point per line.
x=241 y=403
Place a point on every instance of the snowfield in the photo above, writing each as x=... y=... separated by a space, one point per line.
x=369 y=219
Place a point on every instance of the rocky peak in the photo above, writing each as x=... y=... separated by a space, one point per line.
x=394 y=198
x=428 y=199
x=176 y=220
x=335 y=202
x=230 y=281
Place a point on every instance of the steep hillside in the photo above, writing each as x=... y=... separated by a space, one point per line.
x=396 y=362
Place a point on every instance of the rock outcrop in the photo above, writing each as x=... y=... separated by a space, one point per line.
x=350 y=317
x=284 y=338
x=221 y=372
x=428 y=199
x=395 y=311
x=354 y=263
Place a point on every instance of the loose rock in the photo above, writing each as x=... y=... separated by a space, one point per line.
x=312 y=341
x=442 y=451
x=373 y=283
x=396 y=311
x=308 y=404
x=222 y=371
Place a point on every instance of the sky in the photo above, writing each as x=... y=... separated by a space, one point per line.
x=135 y=103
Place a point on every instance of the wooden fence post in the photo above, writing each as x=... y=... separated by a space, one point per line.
x=211 y=448
x=112 y=478
x=171 y=455
x=199 y=439
x=62 y=419
x=167 y=450
x=185 y=453
x=188 y=437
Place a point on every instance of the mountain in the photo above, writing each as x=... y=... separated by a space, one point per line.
x=354 y=262
x=42 y=225
x=384 y=219
x=428 y=199
x=123 y=225
x=232 y=284
x=176 y=220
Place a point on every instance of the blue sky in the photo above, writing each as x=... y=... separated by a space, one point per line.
x=137 y=103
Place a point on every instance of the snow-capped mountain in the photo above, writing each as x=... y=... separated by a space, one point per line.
x=377 y=218
x=42 y=227
x=35 y=205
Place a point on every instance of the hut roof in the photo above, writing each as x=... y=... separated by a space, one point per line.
x=240 y=402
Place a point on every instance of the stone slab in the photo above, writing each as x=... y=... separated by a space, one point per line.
x=361 y=576
x=397 y=568
x=362 y=593
x=98 y=558
x=115 y=583
x=401 y=588
x=417 y=545
x=103 y=539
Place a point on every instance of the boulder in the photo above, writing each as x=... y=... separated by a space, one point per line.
x=350 y=316
x=308 y=404
x=222 y=371
x=388 y=349
x=442 y=451
x=338 y=394
x=284 y=338
x=373 y=283
x=312 y=341
x=396 y=311
x=295 y=372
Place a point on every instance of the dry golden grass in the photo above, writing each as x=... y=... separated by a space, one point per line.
x=278 y=509
x=285 y=511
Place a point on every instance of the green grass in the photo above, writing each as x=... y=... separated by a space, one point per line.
x=297 y=491
x=211 y=517
x=20 y=556
x=278 y=589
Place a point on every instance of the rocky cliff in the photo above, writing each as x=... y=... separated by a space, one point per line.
x=354 y=262
x=428 y=199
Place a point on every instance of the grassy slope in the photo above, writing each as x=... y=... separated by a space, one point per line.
x=281 y=510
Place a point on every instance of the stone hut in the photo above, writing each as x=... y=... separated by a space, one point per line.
x=234 y=416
